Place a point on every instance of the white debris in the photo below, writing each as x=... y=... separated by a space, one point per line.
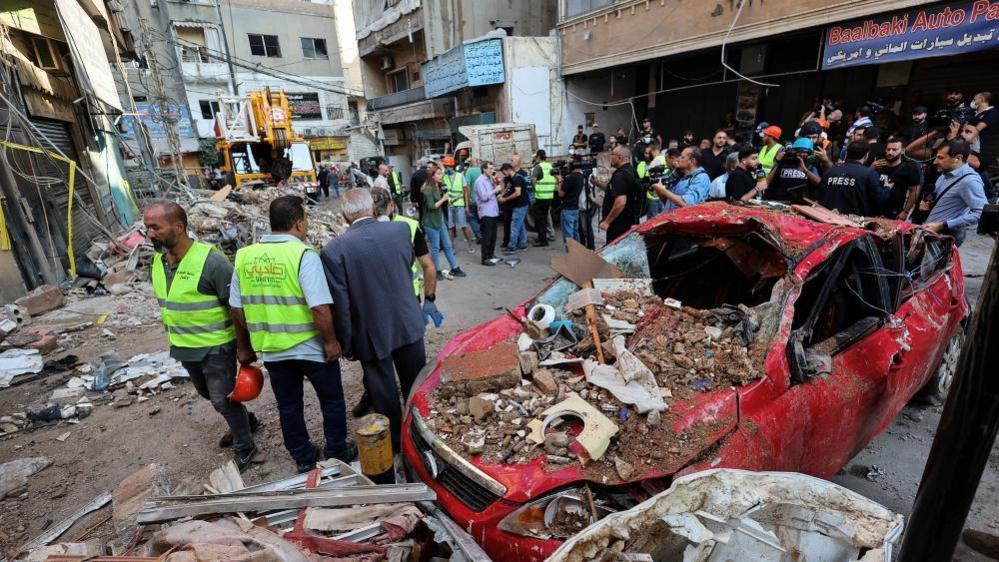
x=17 y=362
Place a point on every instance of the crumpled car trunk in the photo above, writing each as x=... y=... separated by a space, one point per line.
x=726 y=514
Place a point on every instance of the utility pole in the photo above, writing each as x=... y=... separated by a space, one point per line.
x=169 y=125
x=964 y=438
x=228 y=57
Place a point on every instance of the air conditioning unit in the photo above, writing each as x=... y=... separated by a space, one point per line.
x=386 y=62
x=309 y=132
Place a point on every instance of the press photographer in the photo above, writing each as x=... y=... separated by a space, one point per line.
x=795 y=173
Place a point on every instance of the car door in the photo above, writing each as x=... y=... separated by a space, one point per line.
x=840 y=353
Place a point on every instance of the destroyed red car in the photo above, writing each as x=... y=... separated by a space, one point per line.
x=848 y=322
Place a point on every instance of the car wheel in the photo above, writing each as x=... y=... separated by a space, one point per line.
x=939 y=384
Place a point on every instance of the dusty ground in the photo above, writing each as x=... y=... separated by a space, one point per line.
x=181 y=435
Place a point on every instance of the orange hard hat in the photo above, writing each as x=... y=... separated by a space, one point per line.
x=448 y=161
x=772 y=131
x=249 y=383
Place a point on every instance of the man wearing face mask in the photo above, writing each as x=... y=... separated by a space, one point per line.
x=191 y=282
x=900 y=177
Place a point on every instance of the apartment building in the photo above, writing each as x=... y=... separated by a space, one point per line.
x=401 y=41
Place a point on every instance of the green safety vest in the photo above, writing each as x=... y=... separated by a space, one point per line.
x=397 y=180
x=767 y=158
x=545 y=187
x=455 y=184
x=192 y=319
x=412 y=224
x=277 y=314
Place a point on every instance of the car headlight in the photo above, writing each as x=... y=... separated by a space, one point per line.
x=558 y=516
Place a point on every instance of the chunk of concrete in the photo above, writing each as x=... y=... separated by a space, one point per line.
x=14 y=474
x=65 y=396
x=41 y=300
x=480 y=408
x=544 y=381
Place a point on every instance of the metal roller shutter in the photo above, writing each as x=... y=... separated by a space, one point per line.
x=85 y=227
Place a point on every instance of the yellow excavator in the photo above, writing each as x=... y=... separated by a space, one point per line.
x=258 y=145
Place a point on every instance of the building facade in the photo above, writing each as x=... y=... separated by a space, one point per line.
x=400 y=41
x=61 y=176
x=623 y=60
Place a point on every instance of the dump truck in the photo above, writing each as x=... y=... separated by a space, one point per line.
x=258 y=145
x=497 y=142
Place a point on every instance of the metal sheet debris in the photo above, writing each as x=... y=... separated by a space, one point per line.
x=172 y=507
x=17 y=362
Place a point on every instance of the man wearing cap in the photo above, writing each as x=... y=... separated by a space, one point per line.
x=191 y=283
x=281 y=309
x=918 y=126
x=457 y=189
x=771 y=147
x=597 y=140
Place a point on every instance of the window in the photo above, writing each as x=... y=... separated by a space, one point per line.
x=208 y=108
x=334 y=112
x=264 y=45
x=398 y=81
x=193 y=45
x=314 y=48
x=590 y=118
x=355 y=116
x=45 y=54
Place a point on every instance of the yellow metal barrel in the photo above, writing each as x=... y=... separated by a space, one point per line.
x=374 y=445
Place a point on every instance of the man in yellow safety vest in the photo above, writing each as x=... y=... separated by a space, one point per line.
x=545 y=186
x=457 y=215
x=771 y=147
x=191 y=283
x=281 y=309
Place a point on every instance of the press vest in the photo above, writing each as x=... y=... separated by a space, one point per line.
x=412 y=224
x=277 y=315
x=455 y=185
x=545 y=188
x=192 y=319
x=768 y=157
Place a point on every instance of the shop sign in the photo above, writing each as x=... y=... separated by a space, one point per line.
x=328 y=143
x=948 y=29
x=155 y=121
x=305 y=105
x=472 y=64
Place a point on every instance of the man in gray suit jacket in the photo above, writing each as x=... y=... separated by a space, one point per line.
x=377 y=317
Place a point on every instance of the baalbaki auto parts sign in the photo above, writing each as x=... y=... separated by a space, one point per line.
x=946 y=29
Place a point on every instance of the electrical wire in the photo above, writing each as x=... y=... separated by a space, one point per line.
x=742 y=4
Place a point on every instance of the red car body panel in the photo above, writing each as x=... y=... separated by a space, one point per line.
x=814 y=427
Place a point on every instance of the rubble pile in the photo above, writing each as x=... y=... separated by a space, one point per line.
x=332 y=513
x=699 y=349
x=558 y=405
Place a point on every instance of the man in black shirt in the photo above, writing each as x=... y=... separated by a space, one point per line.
x=985 y=119
x=419 y=178
x=516 y=201
x=852 y=188
x=875 y=148
x=568 y=193
x=597 y=139
x=621 y=200
x=918 y=126
x=580 y=140
x=791 y=178
x=714 y=157
x=742 y=180
x=900 y=177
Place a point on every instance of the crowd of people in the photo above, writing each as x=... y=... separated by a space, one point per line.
x=932 y=170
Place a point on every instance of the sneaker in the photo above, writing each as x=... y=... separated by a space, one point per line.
x=445 y=274
x=508 y=251
x=244 y=461
x=493 y=261
x=522 y=249
x=457 y=272
x=440 y=275
x=226 y=441
x=540 y=244
x=488 y=263
x=471 y=249
x=304 y=467
x=363 y=406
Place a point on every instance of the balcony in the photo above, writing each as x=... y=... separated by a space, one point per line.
x=399 y=98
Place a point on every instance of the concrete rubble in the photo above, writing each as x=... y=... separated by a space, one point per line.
x=282 y=520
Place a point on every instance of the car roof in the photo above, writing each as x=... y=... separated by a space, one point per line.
x=797 y=233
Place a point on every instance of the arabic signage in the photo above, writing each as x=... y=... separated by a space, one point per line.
x=472 y=64
x=305 y=105
x=155 y=121
x=948 y=29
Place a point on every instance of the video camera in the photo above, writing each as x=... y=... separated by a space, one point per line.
x=585 y=165
x=941 y=118
x=655 y=174
x=792 y=156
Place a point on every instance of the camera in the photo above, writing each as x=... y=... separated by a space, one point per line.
x=564 y=167
x=794 y=156
x=941 y=118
